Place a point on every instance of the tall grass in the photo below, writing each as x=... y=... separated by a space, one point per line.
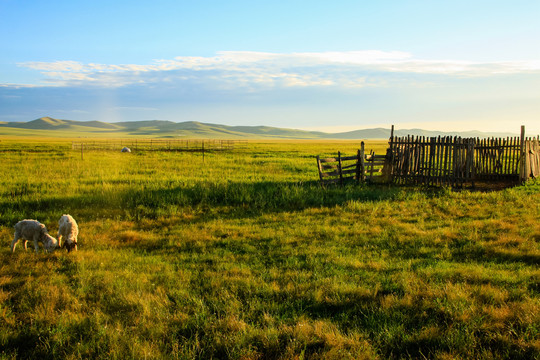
x=245 y=256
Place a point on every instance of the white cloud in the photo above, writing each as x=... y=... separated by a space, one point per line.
x=253 y=70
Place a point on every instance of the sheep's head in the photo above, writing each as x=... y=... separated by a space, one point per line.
x=50 y=244
x=70 y=245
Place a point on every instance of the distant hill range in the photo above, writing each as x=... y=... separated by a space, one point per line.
x=47 y=126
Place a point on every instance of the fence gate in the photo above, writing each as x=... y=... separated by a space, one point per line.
x=357 y=168
x=340 y=169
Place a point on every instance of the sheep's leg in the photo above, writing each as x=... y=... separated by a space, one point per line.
x=36 y=245
x=59 y=237
x=15 y=241
x=25 y=243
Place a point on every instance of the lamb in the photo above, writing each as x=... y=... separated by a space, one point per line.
x=68 y=230
x=35 y=231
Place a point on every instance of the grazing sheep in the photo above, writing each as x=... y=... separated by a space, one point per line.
x=126 y=149
x=35 y=231
x=68 y=230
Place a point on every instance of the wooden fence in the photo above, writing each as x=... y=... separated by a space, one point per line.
x=453 y=161
x=431 y=161
x=340 y=169
x=356 y=168
x=438 y=161
x=159 y=144
x=497 y=159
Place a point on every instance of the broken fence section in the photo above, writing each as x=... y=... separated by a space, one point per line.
x=357 y=168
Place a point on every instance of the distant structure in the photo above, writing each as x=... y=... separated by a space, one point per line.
x=126 y=149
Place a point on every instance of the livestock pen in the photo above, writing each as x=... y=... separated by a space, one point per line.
x=440 y=161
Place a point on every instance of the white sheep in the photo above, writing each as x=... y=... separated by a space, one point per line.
x=68 y=230
x=35 y=231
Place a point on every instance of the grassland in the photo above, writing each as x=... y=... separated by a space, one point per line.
x=244 y=256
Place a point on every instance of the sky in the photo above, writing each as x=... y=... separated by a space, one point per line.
x=315 y=65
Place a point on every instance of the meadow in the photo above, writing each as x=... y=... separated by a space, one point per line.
x=242 y=255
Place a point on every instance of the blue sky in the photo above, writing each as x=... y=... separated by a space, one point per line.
x=333 y=66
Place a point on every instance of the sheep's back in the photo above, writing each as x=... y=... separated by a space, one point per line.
x=27 y=228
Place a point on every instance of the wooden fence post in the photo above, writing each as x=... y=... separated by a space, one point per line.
x=358 y=167
x=372 y=159
x=535 y=157
x=340 y=169
x=390 y=161
x=472 y=165
x=320 y=169
x=362 y=162
x=522 y=162
x=431 y=161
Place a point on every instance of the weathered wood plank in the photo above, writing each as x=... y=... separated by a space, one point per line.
x=348 y=158
x=349 y=166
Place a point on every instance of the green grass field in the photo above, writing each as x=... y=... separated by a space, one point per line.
x=245 y=256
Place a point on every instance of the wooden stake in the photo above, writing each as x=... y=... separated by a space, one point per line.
x=340 y=168
x=362 y=162
x=522 y=175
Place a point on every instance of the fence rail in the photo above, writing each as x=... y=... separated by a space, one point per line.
x=159 y=144
x=339 y=170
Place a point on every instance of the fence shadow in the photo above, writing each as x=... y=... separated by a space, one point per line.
x=261 y=197
x=226 y=199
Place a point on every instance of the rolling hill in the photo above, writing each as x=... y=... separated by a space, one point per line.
x=47 y=126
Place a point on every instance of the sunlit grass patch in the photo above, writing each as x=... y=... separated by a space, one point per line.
x=245 y=256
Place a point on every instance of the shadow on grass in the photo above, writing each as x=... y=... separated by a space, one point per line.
x=495 y=256
x=239 y=199
x=234 y=199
